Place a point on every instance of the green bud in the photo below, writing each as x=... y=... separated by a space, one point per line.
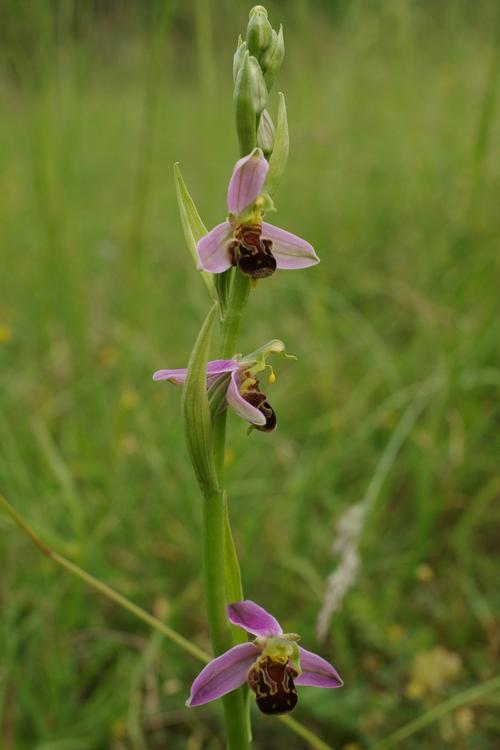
x=238 y=57
x=265 y=133
x=259 y=32
x=250 y=97
x=273 y=58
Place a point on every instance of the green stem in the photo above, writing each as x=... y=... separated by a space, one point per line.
x=240 y=290
x=214 y=536
x=213 y=569
x=199 y=436
x=222 y=574
x=218 y=537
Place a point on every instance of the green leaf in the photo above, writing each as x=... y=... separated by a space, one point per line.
x=196 y=410
x=192 y=225
x=279 y=157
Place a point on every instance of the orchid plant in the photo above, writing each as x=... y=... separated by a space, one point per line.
x=232 y=257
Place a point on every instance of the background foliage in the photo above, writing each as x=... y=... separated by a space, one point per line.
x=394 y=177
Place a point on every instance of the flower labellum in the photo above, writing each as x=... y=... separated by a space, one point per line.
x=272 y=665
x=251 y=253
x=272 y=683
x=245 y=240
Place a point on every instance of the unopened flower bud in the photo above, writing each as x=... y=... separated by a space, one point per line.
x=259 y=32
x=272 y=59
x=250 y=96
x=238 y=57
x=265 y=134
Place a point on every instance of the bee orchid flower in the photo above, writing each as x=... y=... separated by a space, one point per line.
x=239 y=384
x=272 y=665
x=245 y=240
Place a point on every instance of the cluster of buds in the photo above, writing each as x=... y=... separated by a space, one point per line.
x=257 y=60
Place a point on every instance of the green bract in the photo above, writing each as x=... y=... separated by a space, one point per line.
x=196 y=411
x=279 y=157
x=272 y=59
x=192 y=225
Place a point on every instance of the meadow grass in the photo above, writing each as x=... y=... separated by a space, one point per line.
x=394 y=177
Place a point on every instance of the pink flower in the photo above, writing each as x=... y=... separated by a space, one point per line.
x=272 y=665
x=238 y=377
x=245 y=240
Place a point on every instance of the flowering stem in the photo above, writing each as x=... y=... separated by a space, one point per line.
x=199 y=437
x=240 y=289
x=220 y=561
x=213 y=565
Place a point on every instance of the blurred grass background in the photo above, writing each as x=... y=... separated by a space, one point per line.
x=394 y=176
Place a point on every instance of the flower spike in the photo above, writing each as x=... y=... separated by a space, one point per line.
x=272 y=665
